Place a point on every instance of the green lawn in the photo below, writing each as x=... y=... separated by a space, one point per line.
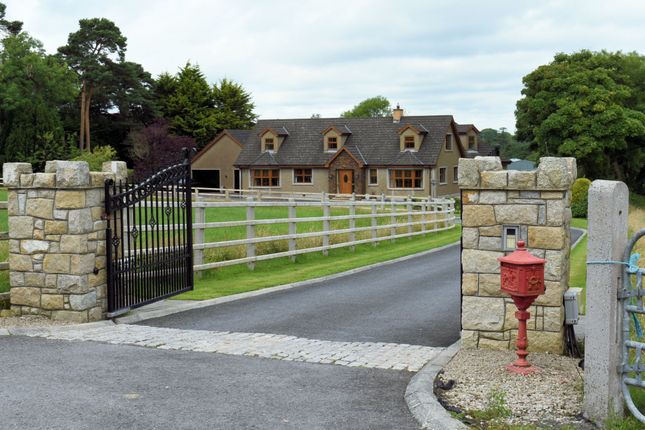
x=578 y=262
x=237 y=279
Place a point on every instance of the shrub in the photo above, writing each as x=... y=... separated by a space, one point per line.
x=579 y=194
x=97 y=157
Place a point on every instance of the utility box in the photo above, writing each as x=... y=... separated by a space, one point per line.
x=572 y=305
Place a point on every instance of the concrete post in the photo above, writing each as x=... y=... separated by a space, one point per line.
x=608 y=207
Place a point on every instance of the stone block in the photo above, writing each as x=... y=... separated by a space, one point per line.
x=492 y=197
x=56 y=263
x=39 y=234
x=477 y=261
x=469 y=237
x=551 y=195
x=21 y=227
x=16 y=279
x=489 y=285
x=12 y=204
x=542 y=341
x=491 y=231
x=553 y=318
x=14 y=246
x=26 y=180
x=94 y=197
x=469 y=339
x=81 y=302
x=52 y=301
x=556 y=172
x=98 y=279
x=553 y=293
x=468 y=173
x=55 y=227
x=70 y=316
x=34 y=246
x=469 y=284
x=541 y=215
x=60 y=214
x=555 y=213
x=470 y=197
x=76 y=284
x=73 y=243
x=82 y=264
x=40 y=208
x=493 y=344
x=490 y=243
x=118 y=168
x=494 y=180
x=11 y=173
x=482 y=313
x=97 y=179
x=25 y=296
x=97 y=213
x=80 y=221
x=478 y=215
x=528 y=195
x=34 y=279
x=521 y=180
x=516 y=214
x=546 y=237
x=96 y=314
x=488 y=163
x=67 y=199
x=69 y=174
x=44 y=180
x=20 y=263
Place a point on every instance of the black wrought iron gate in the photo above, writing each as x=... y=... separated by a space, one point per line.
x=149 y=238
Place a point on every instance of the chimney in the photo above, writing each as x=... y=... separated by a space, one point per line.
x=397 y=114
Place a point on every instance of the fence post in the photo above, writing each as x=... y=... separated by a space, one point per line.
x=325 y=243
x=352 y=222
x=409 y=209
x=374 y=231
x=382 y=201
x=608 y=207
x=200 y=218
x=392 y=220
x=424 y=209
x=250 y=232
x=292 y=227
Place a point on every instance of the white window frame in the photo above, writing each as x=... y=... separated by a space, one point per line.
x=445 y=176
x=423 y=178
x=369 y=176
x=252 y=183
x=293 y=176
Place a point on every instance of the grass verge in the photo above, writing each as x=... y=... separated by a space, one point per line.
x=238 y=279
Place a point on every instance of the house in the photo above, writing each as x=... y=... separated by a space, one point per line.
x=213 y=166
x=401 y=155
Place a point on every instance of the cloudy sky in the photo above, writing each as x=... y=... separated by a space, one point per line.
x=465 y=58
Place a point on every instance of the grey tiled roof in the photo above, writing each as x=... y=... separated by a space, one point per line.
x=240 y=135
x=373 y=141
x=463 y=128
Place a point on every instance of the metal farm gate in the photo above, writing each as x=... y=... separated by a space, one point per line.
x=149 y=238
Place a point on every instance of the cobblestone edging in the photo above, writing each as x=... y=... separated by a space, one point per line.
x=378 y=355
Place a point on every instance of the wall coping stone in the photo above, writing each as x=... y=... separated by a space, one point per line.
x=61 y=174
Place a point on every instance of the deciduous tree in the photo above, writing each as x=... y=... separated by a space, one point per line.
x=373 y=107
x=588 y=105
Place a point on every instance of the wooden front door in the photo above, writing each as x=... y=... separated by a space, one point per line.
x=345 y=181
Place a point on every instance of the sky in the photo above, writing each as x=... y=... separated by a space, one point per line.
x=297 y=58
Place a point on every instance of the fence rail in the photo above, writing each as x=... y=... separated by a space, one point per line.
x=419 y=217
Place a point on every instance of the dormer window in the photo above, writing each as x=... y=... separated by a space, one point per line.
x=471 y=142
x=408 y=142
x=269 y=145
x=332 y=143
x=448 y=145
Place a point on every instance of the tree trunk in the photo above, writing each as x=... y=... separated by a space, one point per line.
x=81 y=142
x=87 y=118
x=618 y=171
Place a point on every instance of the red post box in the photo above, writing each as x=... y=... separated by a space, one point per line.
x=522 y=277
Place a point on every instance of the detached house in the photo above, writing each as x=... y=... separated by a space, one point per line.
x=400 y=155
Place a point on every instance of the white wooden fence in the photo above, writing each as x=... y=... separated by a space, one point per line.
x=421 y=217
x=273 y=195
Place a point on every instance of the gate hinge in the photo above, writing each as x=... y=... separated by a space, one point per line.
x=104 y=216
x=625 y=294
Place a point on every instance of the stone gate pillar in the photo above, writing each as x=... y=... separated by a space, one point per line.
x=500 y=207
x=57 y=264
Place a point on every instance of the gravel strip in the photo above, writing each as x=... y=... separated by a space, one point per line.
x=550 y=398
x=30 y=321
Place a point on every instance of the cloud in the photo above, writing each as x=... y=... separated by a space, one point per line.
x=466 y=58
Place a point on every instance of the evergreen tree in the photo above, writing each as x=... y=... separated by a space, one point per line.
x=234 y=106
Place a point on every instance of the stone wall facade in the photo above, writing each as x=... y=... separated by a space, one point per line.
x=57 y=263
x=537 y=203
